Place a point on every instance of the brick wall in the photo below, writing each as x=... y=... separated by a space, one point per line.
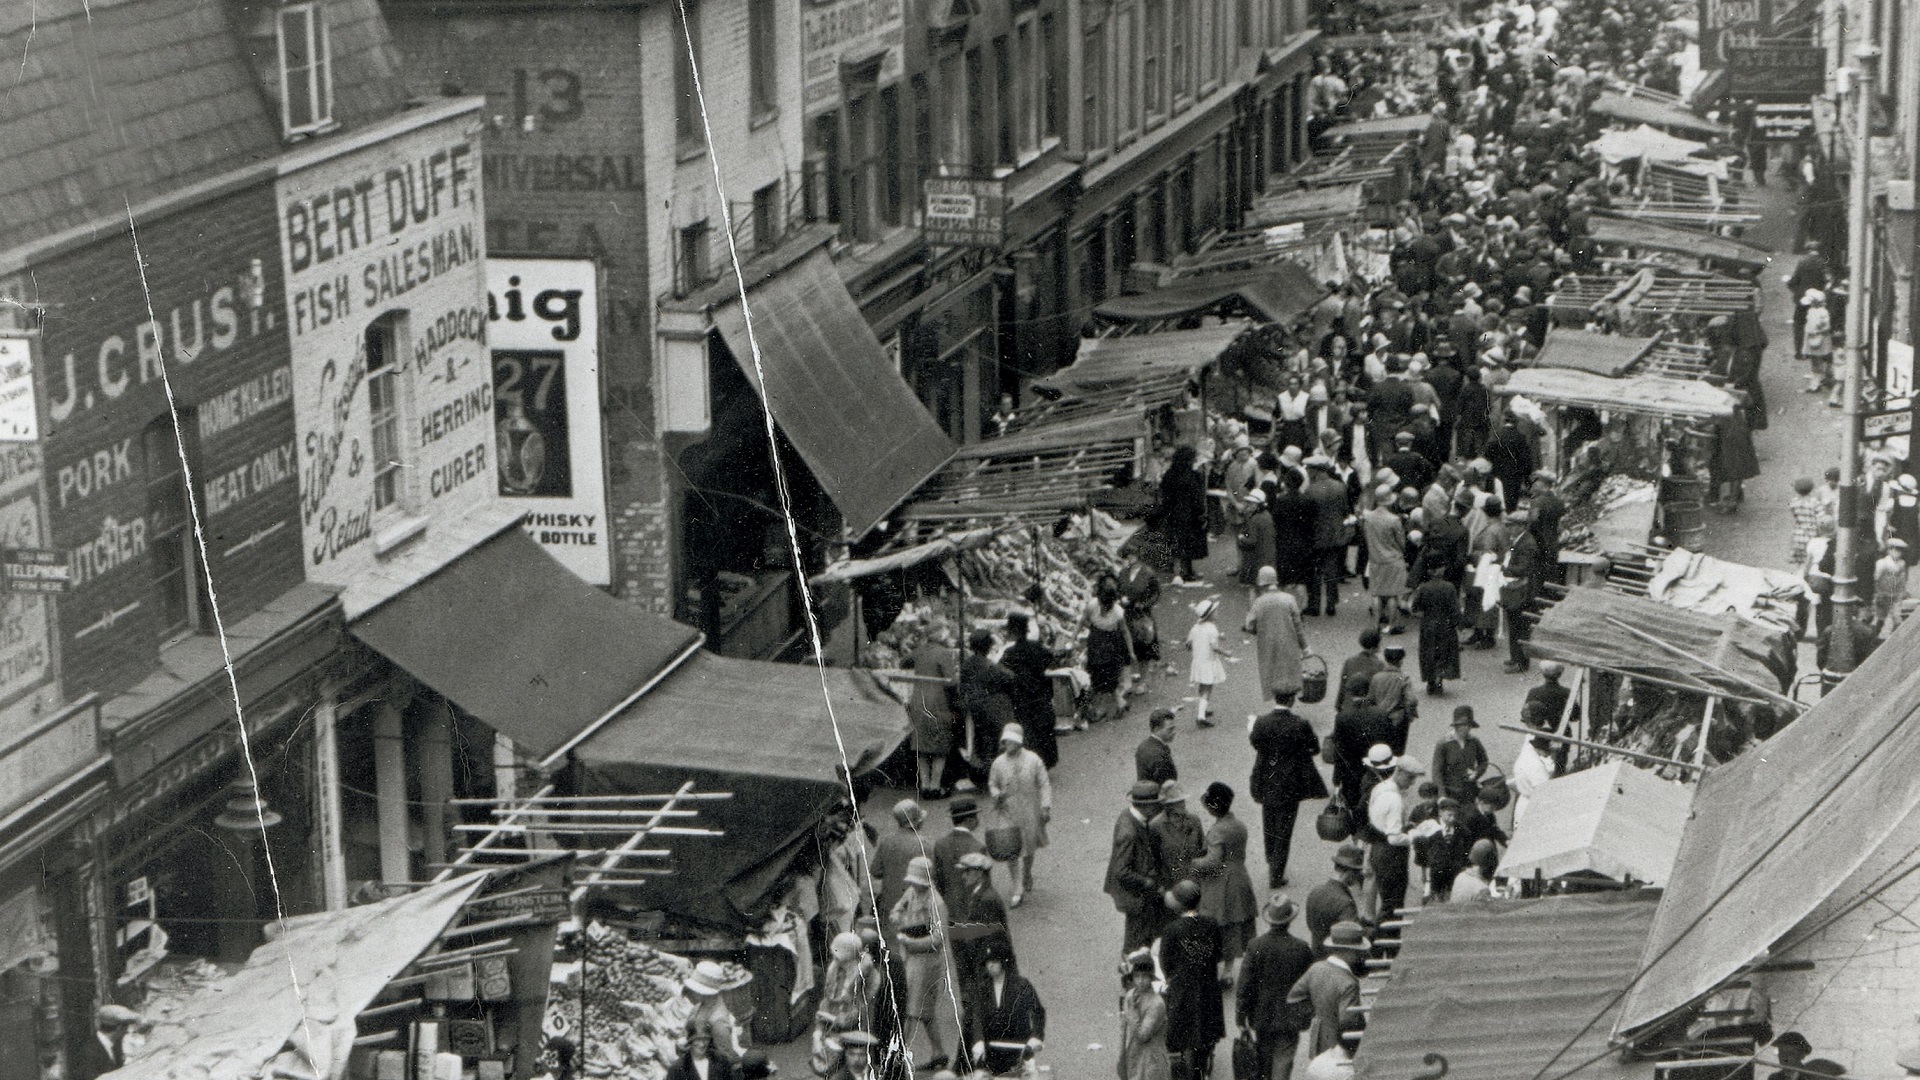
x=565 y=176
x=107 y=337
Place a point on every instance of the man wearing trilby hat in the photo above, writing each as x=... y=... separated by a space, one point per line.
x=1330 y=987
x=1274 y=963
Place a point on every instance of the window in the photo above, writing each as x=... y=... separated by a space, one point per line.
x=1093 y=98
x=766 y=216
x=1126 y=102
x=955 y=112
x=695 y=267
x=1049 y=86
x=1243 y=18
x=826 y=197
x=860 y=202
x=1026 y=77
x=979 y=139
x=687 y=127
x=892 y=161
x=1153 y=37
x=306 y=71
x=761 y=78
x=172 y=557
x=923 y=155
x=1182 y=32
x=1004 y=102
x=384 y=361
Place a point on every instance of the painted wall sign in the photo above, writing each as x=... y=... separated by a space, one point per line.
x=384 y=254
x=965 y=213
x=19 y=415
x=544 y=330
x=847 y=31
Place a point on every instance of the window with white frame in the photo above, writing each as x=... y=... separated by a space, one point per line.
x=1153 y=44
x=385 y=411
x=306 y=70
x=1093 y=83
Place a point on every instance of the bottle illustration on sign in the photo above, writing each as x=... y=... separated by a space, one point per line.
x=523 y=452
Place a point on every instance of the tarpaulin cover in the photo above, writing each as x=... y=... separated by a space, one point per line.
x=1279 y=291
x=1624 y=144
x=832 y=390
x=1601 y=354
x=1615 y=820
x=1308 y=204
x=1696 y=582
x=1406 y=127
x=1508 y=989
x=1639 y=110
x=904 y=559
x=1119 y=361
x=1584 y=628
x=1653 y=236
x=1645 y=394
x=1775 y=831
x=760 y=730
x=1046 y=467
x=530 y=650
x=299 y=992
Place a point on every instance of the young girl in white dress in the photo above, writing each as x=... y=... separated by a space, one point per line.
x=1208 y=670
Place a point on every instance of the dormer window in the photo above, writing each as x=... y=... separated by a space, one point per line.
x=306 y=71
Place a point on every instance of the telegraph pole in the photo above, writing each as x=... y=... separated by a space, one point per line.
x=1854 y=516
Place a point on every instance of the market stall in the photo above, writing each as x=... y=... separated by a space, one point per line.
x=1642 y=109
x=1506 y=990
x=1609 y=355
x=447 y=981
x=1675 y=688
x=1631 y=300
x=1279 y=291
x=1615 y=823
x=621 y=1001
x=1635 y=233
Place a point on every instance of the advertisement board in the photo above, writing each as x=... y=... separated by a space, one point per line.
x=847 y=31
x=384 y=254
x=965 y=213
x=543 y=330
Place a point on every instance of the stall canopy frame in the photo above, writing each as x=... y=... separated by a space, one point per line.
x=1278 y=292
x=1610 y=355
x=1644 y=110
x=1648 y=235
x=1112 y=363
x=1774 y=835
x=1643 y=395
x=1615 y=819
x=1595 y=628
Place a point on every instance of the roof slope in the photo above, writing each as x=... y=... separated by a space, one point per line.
x=120 y=101
x=1780 y=828
x=1505 y=988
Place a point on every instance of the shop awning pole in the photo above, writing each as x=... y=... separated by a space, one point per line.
x=1771 y=697
x=486 y=842
x=632 y=843
x=1602 y=747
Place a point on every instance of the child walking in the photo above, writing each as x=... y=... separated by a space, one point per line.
x=1889 y=587
x=1208 y=670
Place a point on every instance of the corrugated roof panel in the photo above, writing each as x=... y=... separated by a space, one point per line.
x=1503 y=988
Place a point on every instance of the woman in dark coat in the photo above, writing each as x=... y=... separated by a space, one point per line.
x=1292 y=533
x=1437 y=604
x=1255 y=537
x=1190 y=954
x=1183 y=510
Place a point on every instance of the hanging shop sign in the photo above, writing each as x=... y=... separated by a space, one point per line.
x=1783 y=122
x=965 y=212
x=543 y=331
x=1899 y=378
x=1885 y=425
x=536 y=905
x=34 y=570
x=1776 y=67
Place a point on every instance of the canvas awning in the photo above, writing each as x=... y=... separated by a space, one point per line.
x=1625 y=144
x=1610 y=355
x=1615 y=820
x=1697 y=582
x=522 y=644
x=1508 y=989
x=1123 y=361
x=1653 y=236
x=902 y=559
x=1044 y=468
x=299 y=993
x=1640 y=110
x=1380 y=127
x=1775 y=832
x=1648 y=395
x=776 y=736
x=1308 y=204
x=1277 y=292
x=832 y=390
x=1601 y=629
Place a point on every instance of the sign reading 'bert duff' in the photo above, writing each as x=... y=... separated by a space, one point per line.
x=385 y=299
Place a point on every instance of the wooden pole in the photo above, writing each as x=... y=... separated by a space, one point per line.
x=1602 y=747
x=1770 y=696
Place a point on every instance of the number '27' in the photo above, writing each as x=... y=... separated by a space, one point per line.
x=508 y=370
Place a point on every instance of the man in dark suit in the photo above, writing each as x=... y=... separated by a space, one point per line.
x=977 y=926
x=1131 y=865
x=1033 y=692
x=1008 y=1024
x=1551 y=695
x=1522 y=586
x=1356 y=728
x=960 y=840
x=1548 y=510
x=1272 y=964
x=1443 y=552
x=1328 y=497
x=1335 y=900
x=1178 y=837
x=1284 y=775
x=1153 y=758
x=1363 y=663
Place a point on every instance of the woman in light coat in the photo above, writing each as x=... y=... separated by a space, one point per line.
x=1143 y=1025
x=1023 y=799
x=931 y=984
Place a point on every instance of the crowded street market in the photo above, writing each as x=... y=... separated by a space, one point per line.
x=1169 y=539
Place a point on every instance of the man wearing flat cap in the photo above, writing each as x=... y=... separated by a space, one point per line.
x=1273 y=963
x=1131 y=865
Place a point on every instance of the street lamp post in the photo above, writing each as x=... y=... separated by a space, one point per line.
x=1841 y=658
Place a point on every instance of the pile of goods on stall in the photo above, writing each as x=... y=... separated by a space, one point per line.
x=1666 y=723
x=1614 y=492
x=1050 y=575
x=620 y=1003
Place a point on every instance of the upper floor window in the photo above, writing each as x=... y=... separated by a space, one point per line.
x=306 y=70
x=688 y=129
x=761 y=77
x=179 y=587
x=696 y=266
x=1153 y=40
x=384 y=412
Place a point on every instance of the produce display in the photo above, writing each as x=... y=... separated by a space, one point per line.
x=1032 y=570
x=1584 y=510
x=632 y=1022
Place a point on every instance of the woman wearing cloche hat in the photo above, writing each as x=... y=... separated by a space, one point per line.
x=921 y=916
